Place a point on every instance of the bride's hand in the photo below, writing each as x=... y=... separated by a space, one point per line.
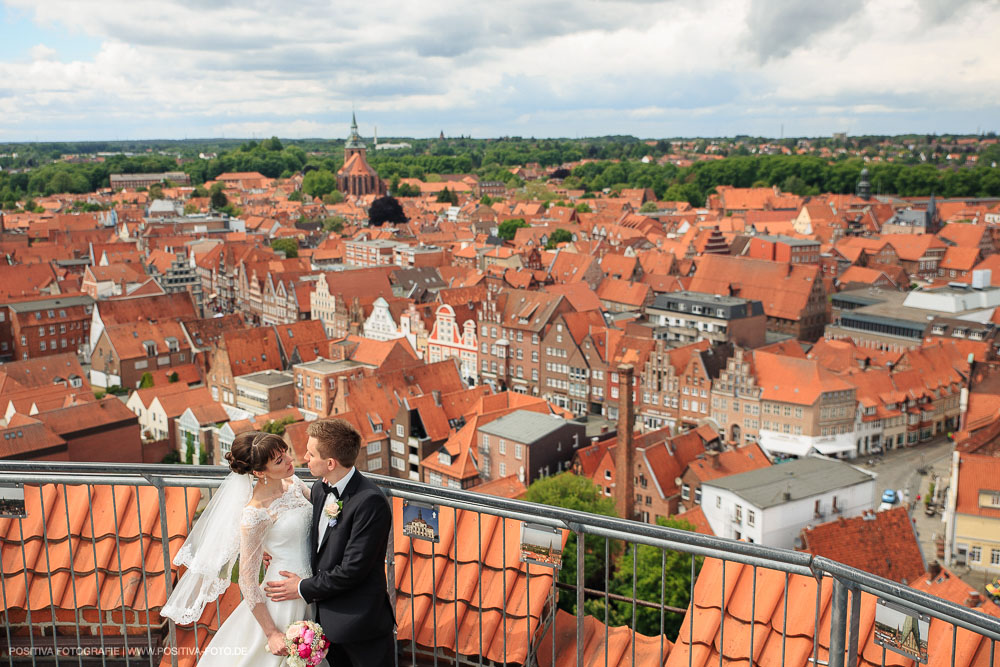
x=276 y=643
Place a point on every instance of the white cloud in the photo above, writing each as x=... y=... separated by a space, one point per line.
x=544 y=67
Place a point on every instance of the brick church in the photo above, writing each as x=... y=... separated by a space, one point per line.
x=357 y=178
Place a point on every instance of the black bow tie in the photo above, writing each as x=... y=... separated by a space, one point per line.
x=329 y=488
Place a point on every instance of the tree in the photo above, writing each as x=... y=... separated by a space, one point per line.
x=199 y=191
x=217 y=197
x=190 y=209
x=334 y=197
x=448 y=196
x=508 y=228
x=295 y=196
x=385 y=209
x=173 y=377
x=278 y=427
x=648 y=207
x=289 y=246
x=574 y=492
x=146 y=381
x=558 y=236
x=657 y=571
x=334 y=224
x=583 y=207
x=318 y=183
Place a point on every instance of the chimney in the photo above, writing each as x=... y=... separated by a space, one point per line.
x=624 y=453
x=974 y=599
x=714 y=457
x=934 y=569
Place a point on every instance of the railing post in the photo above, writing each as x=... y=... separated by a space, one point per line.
x=167 y=582
x=838 y=623
x=853 y=638
x=580 y=557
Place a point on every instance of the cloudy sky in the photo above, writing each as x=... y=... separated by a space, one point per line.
x=129 y=69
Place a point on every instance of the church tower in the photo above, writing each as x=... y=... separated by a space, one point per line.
x=357 y=178
x=864 y=185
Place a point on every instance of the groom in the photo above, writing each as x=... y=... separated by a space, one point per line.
x=350 y=530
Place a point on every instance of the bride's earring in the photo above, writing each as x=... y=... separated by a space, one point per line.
x=263 y=479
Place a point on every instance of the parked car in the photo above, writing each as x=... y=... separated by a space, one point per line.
x=890 y=496
x=993 y=589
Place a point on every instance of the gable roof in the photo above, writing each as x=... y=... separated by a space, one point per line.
x=882 y=543
x=783 y=288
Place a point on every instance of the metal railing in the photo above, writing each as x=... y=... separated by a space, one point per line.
x=626 y=539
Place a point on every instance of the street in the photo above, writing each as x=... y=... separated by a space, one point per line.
x=898 y=469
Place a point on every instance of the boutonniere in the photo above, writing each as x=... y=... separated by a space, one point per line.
x=332 y=510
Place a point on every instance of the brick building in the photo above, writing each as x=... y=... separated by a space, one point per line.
x=41 y=327
x=511 y=325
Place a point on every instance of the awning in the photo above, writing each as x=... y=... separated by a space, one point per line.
x=832 y=445
x=784 y=444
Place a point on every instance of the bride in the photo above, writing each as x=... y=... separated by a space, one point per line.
x=260 y=507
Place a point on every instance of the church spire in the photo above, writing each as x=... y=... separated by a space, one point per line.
x=354 y=141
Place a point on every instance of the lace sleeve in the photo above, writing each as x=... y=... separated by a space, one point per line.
x=253 y=528
x=301 y=487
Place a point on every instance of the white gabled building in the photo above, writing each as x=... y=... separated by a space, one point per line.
x=380 y=325
x=449 y=340
x=772 y=505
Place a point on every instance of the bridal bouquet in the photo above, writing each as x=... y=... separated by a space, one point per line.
x=306 y=644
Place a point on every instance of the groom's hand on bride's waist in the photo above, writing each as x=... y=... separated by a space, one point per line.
x=284 y=589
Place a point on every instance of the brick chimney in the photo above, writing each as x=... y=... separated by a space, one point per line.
x=624 y=451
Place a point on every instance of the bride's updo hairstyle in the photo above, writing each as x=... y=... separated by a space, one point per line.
x=253 y=450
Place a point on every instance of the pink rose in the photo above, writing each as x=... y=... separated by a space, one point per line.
x=304 y=651
x=291 y=632
x=307 y=636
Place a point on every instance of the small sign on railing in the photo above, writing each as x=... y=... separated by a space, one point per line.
x=12 y=501
x=541 y=545
x=902 y=630
x=420 y=521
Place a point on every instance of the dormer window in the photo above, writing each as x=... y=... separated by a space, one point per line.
x=150 y=347
x=173 y=345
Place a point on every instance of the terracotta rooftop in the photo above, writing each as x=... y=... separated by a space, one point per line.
x=977 y=473
x=882 y=543
x=82 y=527
x=788 y=639
x=422 y=567
x=617 y=650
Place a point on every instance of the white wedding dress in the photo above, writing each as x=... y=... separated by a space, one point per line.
x=281 y=530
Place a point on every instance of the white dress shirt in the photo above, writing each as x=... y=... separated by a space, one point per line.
x=324 y=520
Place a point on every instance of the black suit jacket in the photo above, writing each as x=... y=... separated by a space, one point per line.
x=348 y=584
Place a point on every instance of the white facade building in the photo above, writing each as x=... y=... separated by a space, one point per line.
x=448 y=340
x=772 y=505
x=380 y=325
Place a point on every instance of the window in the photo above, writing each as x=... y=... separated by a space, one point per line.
x=697 y=495
x=751 y=517
x=374 y=448
x=316 y=403
x=398 y=463
x=718 y=501
x=503 y=469
x=994 y=556
x=975 y=554
x=374 y=464
x=518 y=452
x=607 y=474
x=685 y=492
x=502 y=446
x=486 y=441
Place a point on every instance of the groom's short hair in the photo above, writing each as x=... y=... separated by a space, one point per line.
x=336 y=439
